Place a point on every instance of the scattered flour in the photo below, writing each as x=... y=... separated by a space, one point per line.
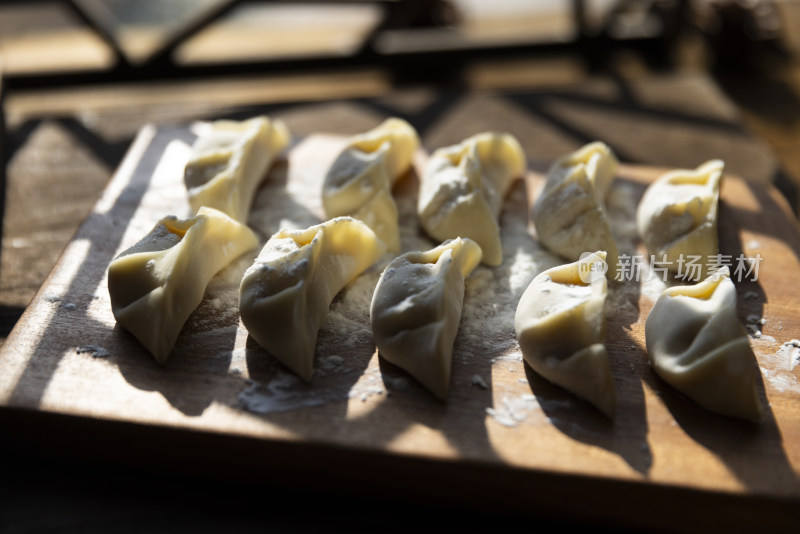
x=513 y=410
x=790 y=353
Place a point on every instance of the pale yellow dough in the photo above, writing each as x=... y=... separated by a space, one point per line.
x=156 y=284
x=569 y=214
x=697 y=345
x=359 y=182
x=285 y=295
x=416 y=310
x=560 y=324
x=229 y=160
x=463 y=188
x=677 y=218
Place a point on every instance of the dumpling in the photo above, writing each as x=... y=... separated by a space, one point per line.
x=463 y=187
x=359 y=182
x=569 y=213
x=697 y=345
x=156 y=284
x=229 y=161
x=560 y=324
x=677 y=218
x=285 y=295
x=416 y=310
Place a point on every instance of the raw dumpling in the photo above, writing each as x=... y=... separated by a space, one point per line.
x=228 y=162
x=569 y=214
x=560 y=324
x=156 y=284
x=697 y=345
x=285 y=295
x=463 y=187
x=359 y=183
x=416 y=310
x=677 y=218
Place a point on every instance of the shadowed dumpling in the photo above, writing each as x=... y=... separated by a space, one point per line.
x=560 y=324
x=463 y=188
x=228 y=161
x=416 y=310
x=359 y=182
x=697 y=345
x=569 y=213
x=285 y=295
x=156 y=284
x=677 y=219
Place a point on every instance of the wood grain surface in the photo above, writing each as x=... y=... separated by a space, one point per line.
x=505 y=438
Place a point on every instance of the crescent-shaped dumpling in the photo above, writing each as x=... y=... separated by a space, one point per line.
x=416 y=310
x=560 y=324
x=359 y=182
x=697 y=345
x=285 y=295
x=156 y=284
x=677 y=218
x=569 y=213
x=463 y=187
x=228 y=161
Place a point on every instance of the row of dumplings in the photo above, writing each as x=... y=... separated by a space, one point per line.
x=693 y=336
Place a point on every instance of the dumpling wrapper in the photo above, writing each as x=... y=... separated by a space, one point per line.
x=697 y=345
x=569 y=213
x=284 y=297
x=560 y=324
x=677 y=218
x=156 y=284
x=463 y=188
x=416 y=310
x=359 y=182
x=229 y=160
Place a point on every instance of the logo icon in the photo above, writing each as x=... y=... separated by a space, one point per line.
x=592 y=267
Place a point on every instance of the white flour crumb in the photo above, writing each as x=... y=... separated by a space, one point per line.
x=513 y=410
x=751 y=295
x=781 y=380
x=522 y=380
x=477 y=380
x=790 y=353
x=94 y=350
x=70 y=306
x=285 y=392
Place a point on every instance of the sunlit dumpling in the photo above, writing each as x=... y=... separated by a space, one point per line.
x=359 y=182
x=416 y=310
x=156 y=284
x=560 y=324
x=463 y=188
x=677 y=218
x=285 y=295
x=569 y=213
x=228 y=161
x=697 y=345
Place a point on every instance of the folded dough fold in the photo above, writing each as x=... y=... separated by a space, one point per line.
x=697 y=345
x=416 y=310
x=229 y=160
x=284 y=297
x=463 y=188
x=560 y=324
x=156 y=284
x=569 y=213
x=677 y=218
x=360 y=180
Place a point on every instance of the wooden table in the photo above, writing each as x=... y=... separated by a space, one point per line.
x=666 y=121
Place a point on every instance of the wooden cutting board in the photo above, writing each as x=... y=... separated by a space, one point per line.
x=505 y=440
